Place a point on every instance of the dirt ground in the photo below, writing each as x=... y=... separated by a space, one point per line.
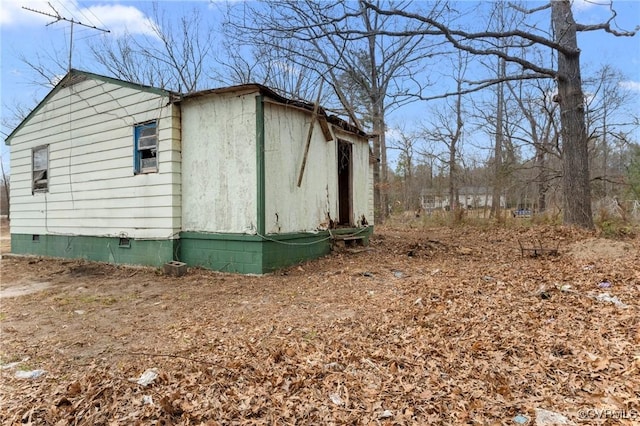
x=426 y=326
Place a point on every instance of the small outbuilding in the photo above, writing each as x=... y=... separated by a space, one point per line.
x=235 y=179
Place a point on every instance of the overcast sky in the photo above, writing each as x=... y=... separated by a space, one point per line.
x=26 y=33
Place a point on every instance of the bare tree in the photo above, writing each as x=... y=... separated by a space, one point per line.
x=405 y=143
x=539 y=131
x=321 y=37
x=173 y=57
x=567 y=74
x=446 y=128
x=268 y=66
x=608 y=124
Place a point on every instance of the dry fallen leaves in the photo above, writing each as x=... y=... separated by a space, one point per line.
x=442 y=326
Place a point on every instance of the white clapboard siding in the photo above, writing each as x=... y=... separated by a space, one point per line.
x=102 y=227
x=137 y=108
x=371 y=203
x=79 y=213
x=92 y=187
x=219 y=191
x=87 y=203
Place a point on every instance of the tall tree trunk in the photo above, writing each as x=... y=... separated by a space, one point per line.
x=377 y=112
x=497 y=152
x=541 y=179
x=384 y=172
x=379 y=150
x=605 y=151
x=575 y=181
x=453 y=149
x=453 y=200
x=378 y=208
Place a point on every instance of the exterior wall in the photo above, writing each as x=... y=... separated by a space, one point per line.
x=307 y=208
x=290 y=208
x=371 y=204
x=92 y=188
x=219 y=158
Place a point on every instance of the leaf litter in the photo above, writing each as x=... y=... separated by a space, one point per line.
x=441 y=326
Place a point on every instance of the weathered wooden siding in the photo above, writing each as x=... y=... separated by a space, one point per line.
x=220 y=182
x=93 y=191
x=290 y=208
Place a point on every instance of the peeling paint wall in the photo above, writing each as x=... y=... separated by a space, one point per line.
x=219 y=163
x=290 y=208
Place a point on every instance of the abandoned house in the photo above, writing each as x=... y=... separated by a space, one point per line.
x=236 y=179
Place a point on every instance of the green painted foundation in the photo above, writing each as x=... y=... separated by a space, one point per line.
x=252 y=254
x=246 y=254
x=100 y=249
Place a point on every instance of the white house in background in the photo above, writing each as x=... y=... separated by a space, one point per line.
x=469 y=197
x=113 y=171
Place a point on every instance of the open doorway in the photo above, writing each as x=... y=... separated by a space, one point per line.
x=345 y=172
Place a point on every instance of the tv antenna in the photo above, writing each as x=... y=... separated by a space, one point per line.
x=59 y=18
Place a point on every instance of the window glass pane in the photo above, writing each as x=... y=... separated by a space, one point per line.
x=148 y=163
x=145 y=149
x=40 y=159
x=147 y=131
x=147 y=143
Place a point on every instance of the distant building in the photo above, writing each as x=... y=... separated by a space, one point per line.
x=469 y=197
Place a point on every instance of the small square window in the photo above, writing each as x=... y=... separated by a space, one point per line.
x=124 y=242
x=35 y=238
x=145 y=155
x=40 y=169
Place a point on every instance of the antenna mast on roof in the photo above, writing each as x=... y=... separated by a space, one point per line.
x=58 y=18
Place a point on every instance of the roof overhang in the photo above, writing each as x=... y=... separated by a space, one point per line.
x=77 y=76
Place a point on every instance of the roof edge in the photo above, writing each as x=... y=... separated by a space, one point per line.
x=266 y=91
x=74 y=76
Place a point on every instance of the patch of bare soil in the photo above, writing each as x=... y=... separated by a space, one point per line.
x=22 y=288
x=599 y=248
x=435 y=326
x=5 y=236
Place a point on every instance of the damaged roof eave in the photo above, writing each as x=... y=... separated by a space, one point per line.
x=264 y=90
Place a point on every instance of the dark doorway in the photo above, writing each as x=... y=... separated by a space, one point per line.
x=344 y=183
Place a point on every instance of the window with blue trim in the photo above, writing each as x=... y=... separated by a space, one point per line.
x=40 y=169
x=145 y=156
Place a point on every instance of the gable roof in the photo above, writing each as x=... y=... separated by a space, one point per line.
x=77 y=76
